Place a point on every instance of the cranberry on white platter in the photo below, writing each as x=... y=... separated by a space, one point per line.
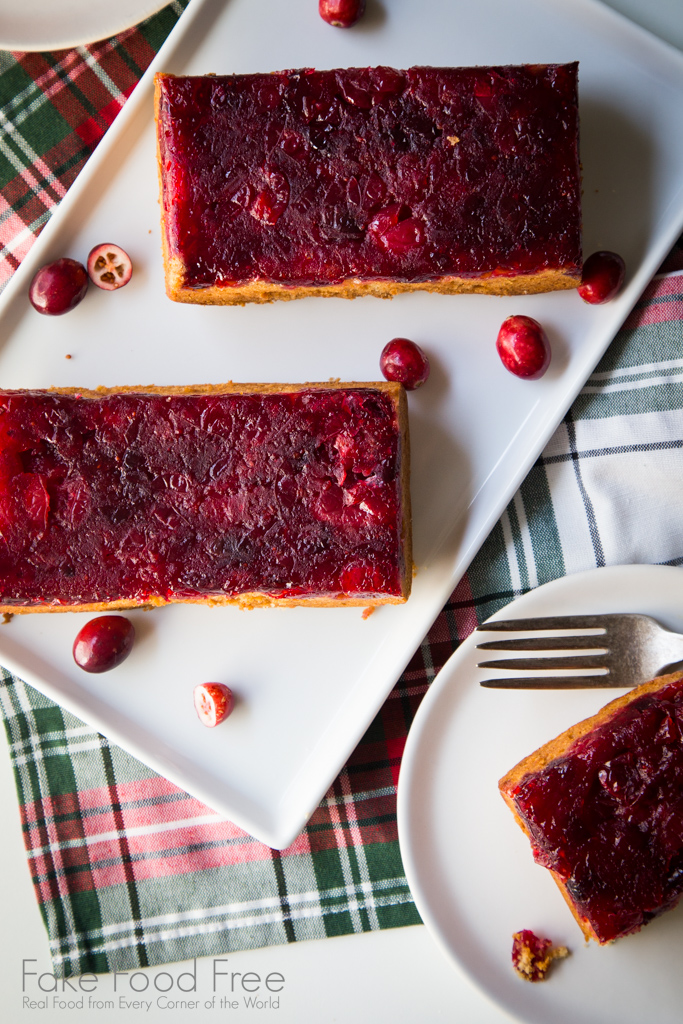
x=109 y=266
x=213 y=703
x=58 y=287
x=103 y=643
x=602 y=277
x=523 y=347
x=405 y=362
x=341 y=13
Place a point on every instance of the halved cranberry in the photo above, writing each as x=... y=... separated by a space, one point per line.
x=58 y=287
x=104 y=643
x=404 y=361
x=341 y=13
x=109 y=266
x=602 y=277
x=213 y=703
x=523 y=347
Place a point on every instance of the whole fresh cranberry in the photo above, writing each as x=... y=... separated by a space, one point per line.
x=404 y=361
x=58 y=287
x=213 y=702
x=602 y=277
x=109 y=266
x=104 y=643
x=341 y=13
x=523 y=347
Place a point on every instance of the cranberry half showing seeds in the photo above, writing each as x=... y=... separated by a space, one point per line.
x=405 y=362
x=341 y=13
x=109 y=266
x=523 y=347
x=58 y=287
x=602 y=277
x=104 y=643
x=213 y=703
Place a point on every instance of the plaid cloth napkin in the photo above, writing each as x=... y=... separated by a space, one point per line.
x=54 y=109
x=130 y=871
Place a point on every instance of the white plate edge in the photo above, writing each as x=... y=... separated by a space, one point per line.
x=49 y=44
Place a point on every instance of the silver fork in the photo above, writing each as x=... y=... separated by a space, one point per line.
x=622 y=650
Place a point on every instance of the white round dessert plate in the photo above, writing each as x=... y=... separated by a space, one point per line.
x=37 y=25
x=469 y=865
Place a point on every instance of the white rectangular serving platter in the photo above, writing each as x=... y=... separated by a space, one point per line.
x=309 y=681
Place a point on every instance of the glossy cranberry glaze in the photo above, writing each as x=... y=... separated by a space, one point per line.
x=312 y=178
x=131 y=496
x=608 y=816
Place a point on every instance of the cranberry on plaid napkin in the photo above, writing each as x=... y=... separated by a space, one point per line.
x=129 y=870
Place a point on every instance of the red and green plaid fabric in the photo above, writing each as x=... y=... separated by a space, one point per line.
x=54 y=109
x=131 y=871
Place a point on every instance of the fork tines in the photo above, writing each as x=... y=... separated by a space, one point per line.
x=595 y=658
x=554 y=682
x=541 y=623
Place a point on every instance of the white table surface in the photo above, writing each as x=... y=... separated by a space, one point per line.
x=398 y=975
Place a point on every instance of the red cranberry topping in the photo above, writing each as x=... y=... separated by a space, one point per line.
x=213 y=703
x=532 y=955
x=58 y=287
x=104 y=643
x=109 y=266
x=131 y=496
x=341 y=13
x=607 y=816
x=404 y=361
x=602 y=277
x=316 y=177
x=523 y=347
